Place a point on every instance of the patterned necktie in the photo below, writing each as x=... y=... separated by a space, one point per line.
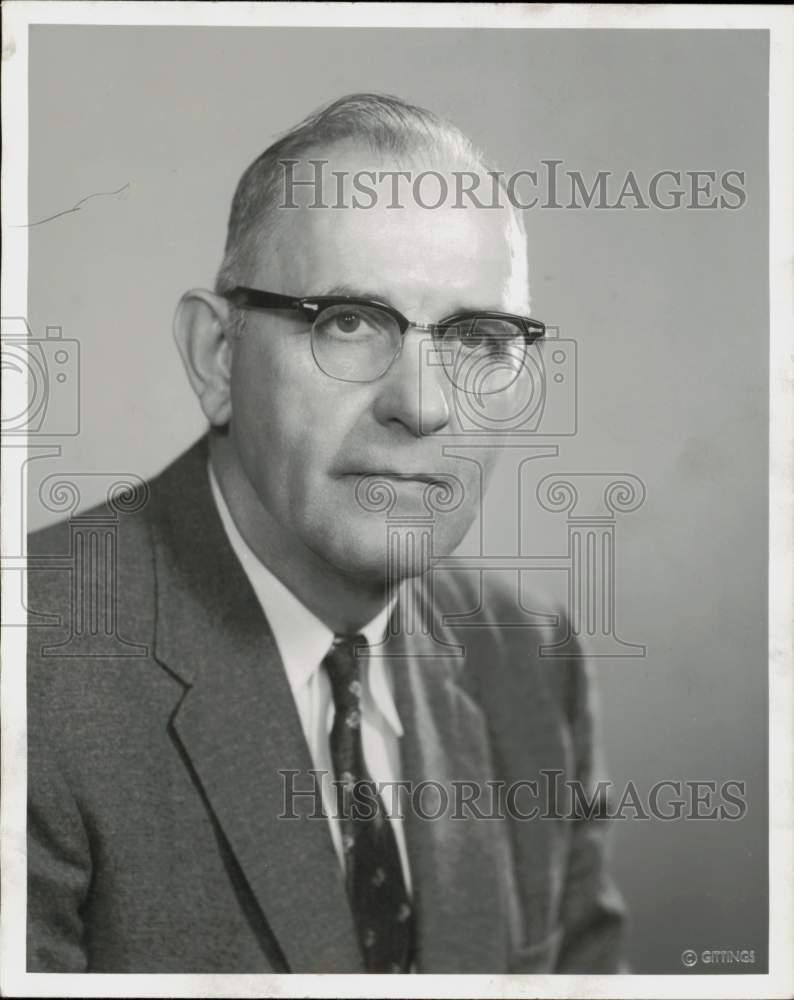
x=373 y=872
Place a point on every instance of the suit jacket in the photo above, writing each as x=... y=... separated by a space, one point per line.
x=154 y=843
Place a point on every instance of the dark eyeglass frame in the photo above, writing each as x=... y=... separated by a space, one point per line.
x=311 y=306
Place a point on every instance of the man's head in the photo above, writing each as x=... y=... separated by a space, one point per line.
x=379 y=128
x=302 y=438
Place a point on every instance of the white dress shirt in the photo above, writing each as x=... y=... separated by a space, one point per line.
x=303 y=642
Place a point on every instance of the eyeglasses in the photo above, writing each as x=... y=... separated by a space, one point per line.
x=357 y=340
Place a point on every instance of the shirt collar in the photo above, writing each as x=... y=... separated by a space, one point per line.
x=302 y=639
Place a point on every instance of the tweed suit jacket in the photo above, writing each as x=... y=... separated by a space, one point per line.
x=154 y=837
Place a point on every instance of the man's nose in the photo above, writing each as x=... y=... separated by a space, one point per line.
x=414 y=391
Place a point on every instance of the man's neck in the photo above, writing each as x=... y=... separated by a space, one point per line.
x=344 y=603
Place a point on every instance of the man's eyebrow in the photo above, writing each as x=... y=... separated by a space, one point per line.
x=367 y=293
x=359 y=293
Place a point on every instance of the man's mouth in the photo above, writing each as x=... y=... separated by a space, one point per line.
x=418 y=477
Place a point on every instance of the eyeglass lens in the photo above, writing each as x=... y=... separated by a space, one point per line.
x=358 y=344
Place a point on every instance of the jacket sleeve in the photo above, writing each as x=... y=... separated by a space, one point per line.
x=59 y=864
x=593 y=915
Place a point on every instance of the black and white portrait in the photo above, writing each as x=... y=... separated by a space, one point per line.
x=386 y=451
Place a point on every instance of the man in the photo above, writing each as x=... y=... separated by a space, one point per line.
x=222 y=802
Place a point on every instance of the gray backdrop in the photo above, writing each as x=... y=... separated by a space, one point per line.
x=668 y=309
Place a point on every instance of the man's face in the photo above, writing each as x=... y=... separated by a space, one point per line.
x=305 y=439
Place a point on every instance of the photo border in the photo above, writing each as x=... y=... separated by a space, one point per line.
x=779 y=981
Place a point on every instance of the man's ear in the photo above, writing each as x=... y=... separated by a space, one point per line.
x=203 y=331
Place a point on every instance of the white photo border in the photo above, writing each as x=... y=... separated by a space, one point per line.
x=779 y=21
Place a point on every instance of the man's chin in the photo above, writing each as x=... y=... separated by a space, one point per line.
x=381 y=552
x=379 y=565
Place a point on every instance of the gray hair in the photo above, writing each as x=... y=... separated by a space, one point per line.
x=384 y=123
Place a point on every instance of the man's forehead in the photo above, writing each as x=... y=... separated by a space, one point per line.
x=393 y=239
x=397 y=250
x=444 y=231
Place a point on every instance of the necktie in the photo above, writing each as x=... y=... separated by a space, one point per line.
x=373 y=874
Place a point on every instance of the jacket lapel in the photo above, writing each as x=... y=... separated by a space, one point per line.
x=465 y=905
x=239 y=727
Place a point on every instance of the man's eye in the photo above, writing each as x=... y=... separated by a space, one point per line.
x=471 y=337
x=494 y=336
x=348 y=322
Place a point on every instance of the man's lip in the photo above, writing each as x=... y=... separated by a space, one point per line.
x=422 y=477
